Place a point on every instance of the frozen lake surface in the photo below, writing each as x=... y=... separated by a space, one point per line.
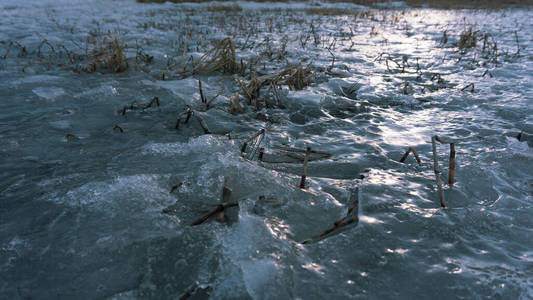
x=86 y=172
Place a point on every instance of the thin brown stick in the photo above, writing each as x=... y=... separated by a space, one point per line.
x=437 y=171
x=261 y=153
x=213 y=212
x=415 y=154
x=304 y=151
x=226 y=194
x=335 y=227
x=351 y=217
x=244 y=89
x=119 y=128
x=354 y=199
x=202 y=98
x=404 y=157
x=452 y=164
x=202 y=123
x=243 y=148
x=300 y=158
x=154 y=100
x=175 y=187
x=255 y=135
x=237 y=104
x=304 y=171
x=470 y=85
x=206 y=105
x=442 y=141
x=189 y=113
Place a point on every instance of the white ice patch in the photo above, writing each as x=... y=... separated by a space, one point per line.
x=306 y=97
x=519 y=147
x=202 y=144
x=141 y=192
x=49 y=93
x=257 y=274
x=36 y=79
x=248 y=246
x=62 y=124
x=186 y=89
x=103 y=90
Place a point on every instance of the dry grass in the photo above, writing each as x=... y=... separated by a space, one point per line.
x=295 y=76
x=468 y=39
x=220 y=57
x=109 y=54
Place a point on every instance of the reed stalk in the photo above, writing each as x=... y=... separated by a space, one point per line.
x=437 y=171
x=304 y=170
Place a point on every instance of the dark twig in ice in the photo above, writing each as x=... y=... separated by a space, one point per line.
x=304 y=170
x=352 y=217
x=411 y=150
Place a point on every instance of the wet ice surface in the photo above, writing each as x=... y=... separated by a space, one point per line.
x=81 y=216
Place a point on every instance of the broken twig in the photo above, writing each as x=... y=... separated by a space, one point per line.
x=219 y=208
x=352 y=217
x=437 y=171
x=255 y=135
x=226 y=194
x=304 y=171
x=409 y=150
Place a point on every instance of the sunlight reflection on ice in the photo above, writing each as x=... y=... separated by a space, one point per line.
x=314 y=267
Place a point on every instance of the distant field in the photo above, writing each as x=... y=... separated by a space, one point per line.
x=413 y=3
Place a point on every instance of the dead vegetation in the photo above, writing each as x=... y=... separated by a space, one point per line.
x=108 y=53
x=296 y=77
x=219 y=58
x=447 y=4
x=468 y=39
x=101 y=53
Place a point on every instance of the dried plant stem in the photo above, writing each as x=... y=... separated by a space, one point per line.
x=175 y=187
x=187 y=112
x=437 y=172
x=452 y=164
x=206 y=105
x=202 y=123
x=243 y=149
x=332 y=60
x=452 y=158
x=261 y=153
x=237 y=103
x=226 y=194
x=119 y=128
x=255 y=146
x=409 y=150
x=351 y=217
x=202 y=97
x=304 y=151
x=221 y=57
x=218 y=209
x=304 y=170
x=470 y=85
